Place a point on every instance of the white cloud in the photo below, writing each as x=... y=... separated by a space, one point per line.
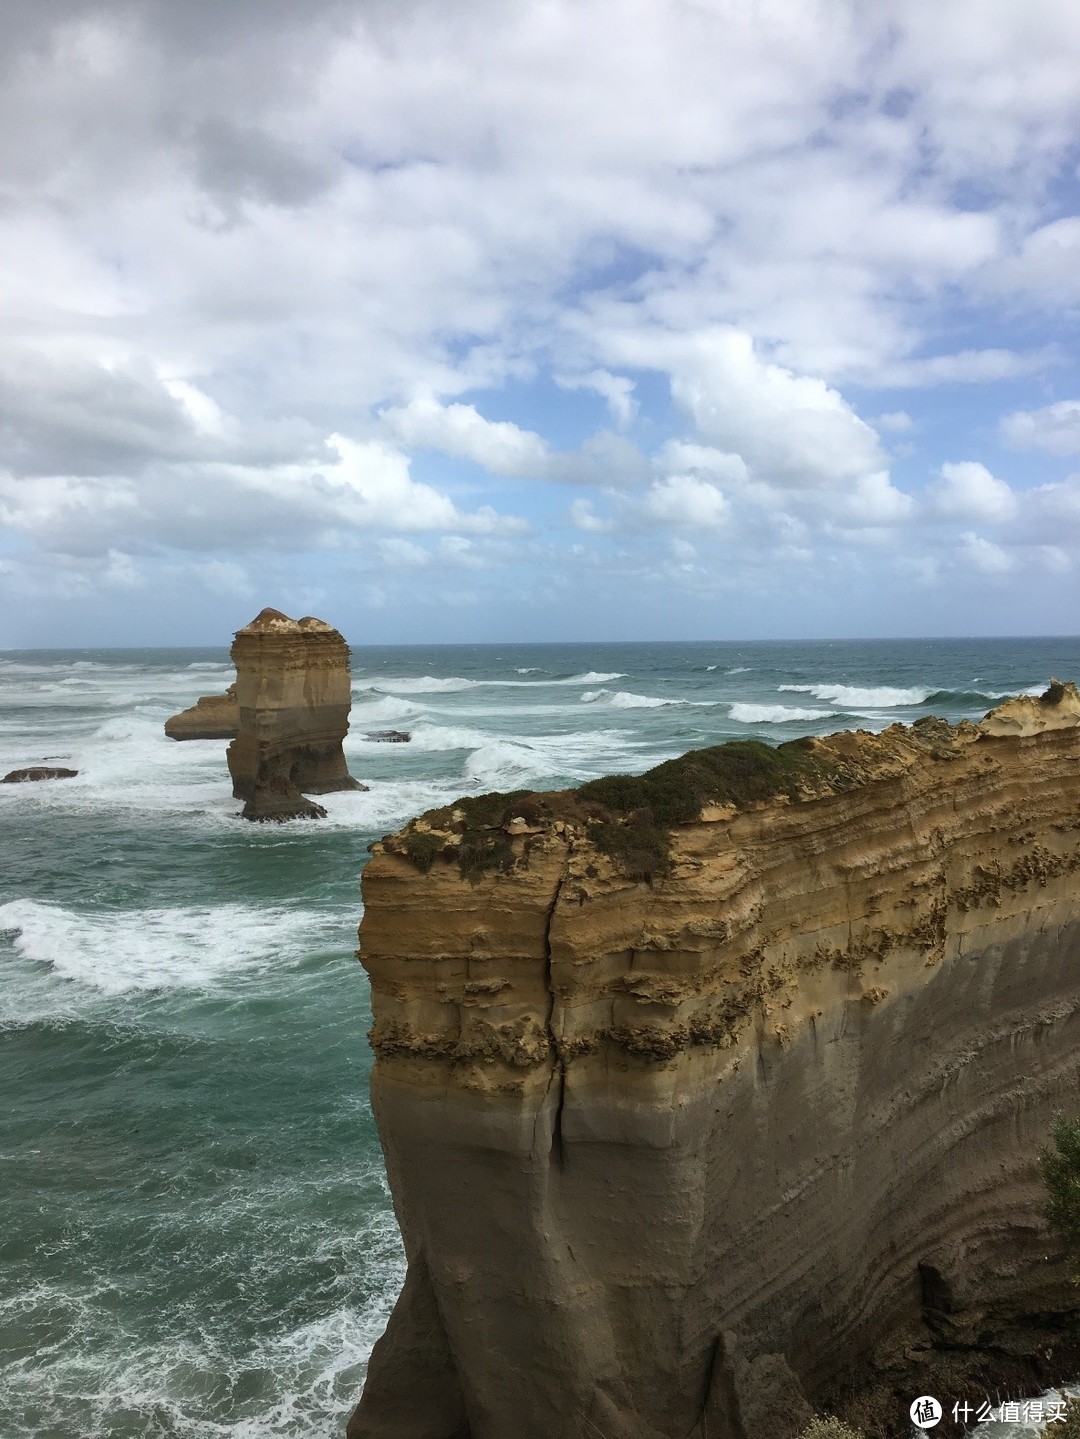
x=968 y=491
x=898 y=422
x=686 y=502
x=499 y=446
x=1054 y=428
x=616 y=390
x=583 y=517
x=983 y=555
x=362 y=486
x=790 y=429
x=966 y=367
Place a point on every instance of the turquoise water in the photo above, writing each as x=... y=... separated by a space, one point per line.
x=198 y=1240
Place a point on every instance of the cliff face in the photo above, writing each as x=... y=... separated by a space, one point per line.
x=210 y=717
x=671 y=1158
x=293 y=693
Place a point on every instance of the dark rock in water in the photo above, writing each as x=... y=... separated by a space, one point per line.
x=294 y=694
x=38 y=771
x=388 y=736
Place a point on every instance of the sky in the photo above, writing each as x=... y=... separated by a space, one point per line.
x=553 y=320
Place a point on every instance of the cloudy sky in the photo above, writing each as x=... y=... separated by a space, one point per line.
x=560 y=319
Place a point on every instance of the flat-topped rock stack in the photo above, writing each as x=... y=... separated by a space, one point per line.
x=714 y=1094
x=293 y=694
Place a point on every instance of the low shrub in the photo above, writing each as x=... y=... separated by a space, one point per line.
x=829 y=1429
x=1059 y=1165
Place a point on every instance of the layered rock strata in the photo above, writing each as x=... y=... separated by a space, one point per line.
x=210 y=717
x=294 y=693
x=683 y=1155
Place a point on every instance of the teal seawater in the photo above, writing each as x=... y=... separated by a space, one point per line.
x=197 y=1236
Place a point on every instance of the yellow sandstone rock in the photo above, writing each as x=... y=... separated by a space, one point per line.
x=673 y=1156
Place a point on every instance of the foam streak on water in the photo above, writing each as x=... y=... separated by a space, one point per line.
x=199 y=1242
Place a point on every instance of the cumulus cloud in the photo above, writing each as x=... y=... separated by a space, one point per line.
x=1054 y=428
x=230 y=232
x=686 y=502
x=968 y=491
x=498 y=445
x=984 y=555
x=361 y=487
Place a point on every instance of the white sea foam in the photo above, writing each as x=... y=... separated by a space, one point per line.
x=736 y=670
x=591 y=678
x=773 y=714
x=196 y=948
x=528 y=670
x=368 y=711
x=200 y=1382
x=852 y=697
x=424 y=685
x=625 y=700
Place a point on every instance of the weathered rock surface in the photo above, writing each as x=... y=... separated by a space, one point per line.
x=36 y=772
x=674 y=1158
x=294 y=694
x=211 y=717
x=388 y=736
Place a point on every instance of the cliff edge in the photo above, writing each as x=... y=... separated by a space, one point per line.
x=715 y=1093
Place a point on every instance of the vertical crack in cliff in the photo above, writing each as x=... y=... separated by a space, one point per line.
x=558 y=1075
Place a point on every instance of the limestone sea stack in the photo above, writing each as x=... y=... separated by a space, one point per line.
x=210 y=717
x=713 y=1096
x=294 y=693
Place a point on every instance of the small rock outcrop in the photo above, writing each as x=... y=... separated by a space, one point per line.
x=388 y=736
x=211 y=717
x=714 y=1093
x=36 y=772
x=294 y=693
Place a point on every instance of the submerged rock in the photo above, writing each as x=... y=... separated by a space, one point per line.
x=36 y=772
x=294 y=694
x=716 y=1091
x=211 y=717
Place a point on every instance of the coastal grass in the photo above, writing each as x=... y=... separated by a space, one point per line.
x=628 y=817
x=829 y=1428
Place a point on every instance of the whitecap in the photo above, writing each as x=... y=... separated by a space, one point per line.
x=773 y=714
x=625 y=700
x=368 y=711
x=423 y=685
x=116 y=952
x=852 y=697
x=737 y=670
x=592 y=677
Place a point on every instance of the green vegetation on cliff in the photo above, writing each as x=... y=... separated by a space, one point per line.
x=1059 y=1165
x=629 y=817
x=829 y=1429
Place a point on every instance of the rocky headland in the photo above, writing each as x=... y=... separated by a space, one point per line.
x=294 y=693
x=713 y=1096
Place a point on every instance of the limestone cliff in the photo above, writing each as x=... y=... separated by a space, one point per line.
x=293 y=692
x=691 y=1121
x=210 y=717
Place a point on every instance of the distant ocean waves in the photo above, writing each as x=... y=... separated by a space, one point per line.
x=200 y=1244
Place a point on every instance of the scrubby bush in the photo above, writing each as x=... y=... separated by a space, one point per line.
x=1071 y=1428
x=830 y=1429
x=1059 y=1165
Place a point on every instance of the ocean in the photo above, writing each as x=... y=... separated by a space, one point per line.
x=198 y=1241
